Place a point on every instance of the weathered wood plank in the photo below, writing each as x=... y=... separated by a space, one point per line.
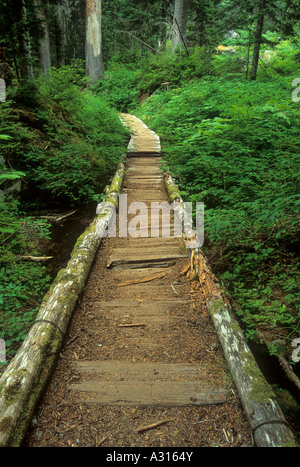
x=146 y=384
x=147 y=260
x=133 y=393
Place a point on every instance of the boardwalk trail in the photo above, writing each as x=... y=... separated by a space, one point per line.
x=143 y=353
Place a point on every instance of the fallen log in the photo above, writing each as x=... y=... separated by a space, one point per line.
x=36 y=259
x=26 y=376
x=267 y=422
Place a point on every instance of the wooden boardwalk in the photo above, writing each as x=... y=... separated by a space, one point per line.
x=142 y=365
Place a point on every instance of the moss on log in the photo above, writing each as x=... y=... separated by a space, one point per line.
x=24 y=381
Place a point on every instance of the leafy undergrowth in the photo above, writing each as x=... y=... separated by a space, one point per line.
x=234 y=145
x=63 y=144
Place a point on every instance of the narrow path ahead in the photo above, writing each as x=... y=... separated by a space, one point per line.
x=142 y=365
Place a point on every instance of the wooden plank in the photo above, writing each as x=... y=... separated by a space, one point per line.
x=145 y=384
x=116 y=369
x=145 y=261
x=134 y=393
x=130 y=304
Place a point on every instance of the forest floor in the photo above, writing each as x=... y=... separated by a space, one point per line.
x=142 y=365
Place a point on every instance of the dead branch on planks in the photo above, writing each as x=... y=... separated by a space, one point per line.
x=144 y=279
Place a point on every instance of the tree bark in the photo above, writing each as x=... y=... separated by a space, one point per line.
x=25 y=46
x=258 y=38
x=179 y=24
x=164 y=15
x=62 y=12
x=44 y=41
x=93 y=52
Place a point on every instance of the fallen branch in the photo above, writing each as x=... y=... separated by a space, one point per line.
x=153 y=425
x=57 y=218
x=101 y=442
x=144 y=279
x=133 y=325
x=284 y=365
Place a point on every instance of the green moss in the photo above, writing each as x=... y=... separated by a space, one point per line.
x=5 y=424
x=235 y=327
x=113 y=201
x=216 y=306
x=48 y=345
x=14 y=386
x=261 y=391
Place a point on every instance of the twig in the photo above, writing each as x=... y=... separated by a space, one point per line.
x=225 y=434
x=101 y=442
x=144 y=279
x=56 y=218
x=153 y=425
x=133 y=325
x=203 y=421
x=72 y=340
x=145 y=43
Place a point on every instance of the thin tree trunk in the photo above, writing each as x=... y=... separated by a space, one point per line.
x=94 y=63
x=25 y=47
x=164 y=14
x=62 y=13
x=44 y=41
x=180 y=23
x=257 y=39
x=248 y=54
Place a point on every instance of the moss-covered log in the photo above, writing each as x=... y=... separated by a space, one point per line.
x=266 y=419
x=23 y=382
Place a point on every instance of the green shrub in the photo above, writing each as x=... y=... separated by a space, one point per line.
x=118 y=87
x=22 y=284
x=68 y=144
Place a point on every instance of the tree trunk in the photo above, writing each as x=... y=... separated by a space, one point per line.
x=179 y=24
x=44 y=41
x=25 y=46
x=94 y=63
x=257 y=38
x=62 y=13
x=164 y=15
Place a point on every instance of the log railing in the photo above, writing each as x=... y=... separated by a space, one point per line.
x=26 y=376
